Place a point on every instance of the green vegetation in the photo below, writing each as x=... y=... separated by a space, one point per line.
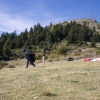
x=62 y=50
x=39 y=37
x=2 y=64
x=98 y=51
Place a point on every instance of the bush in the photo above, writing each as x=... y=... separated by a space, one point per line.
x=62 y=50
x=38 y=56
x=21 y=56
x=2 y=64
x=77 y=53
x=98 y=51
x=93 y=44
x=12 y=58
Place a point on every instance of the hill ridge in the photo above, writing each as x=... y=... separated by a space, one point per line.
x=89 y=22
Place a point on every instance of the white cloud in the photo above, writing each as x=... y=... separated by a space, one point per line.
x=10 y=23
x=18 y=19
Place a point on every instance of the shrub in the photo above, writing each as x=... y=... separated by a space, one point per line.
x=12 y=58
x=93 y=44
x=77 y=53
x=21 y=56
x=38 y=56
x=98 y=51
x=62 y=50
x=2 y=64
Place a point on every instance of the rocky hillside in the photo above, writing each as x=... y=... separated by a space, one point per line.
x=90 y=23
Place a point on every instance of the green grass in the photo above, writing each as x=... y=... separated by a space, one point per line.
x=61 y=80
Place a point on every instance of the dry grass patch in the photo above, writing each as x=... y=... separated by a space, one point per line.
x=60 y=80
x=48 y=90
x=10 y=66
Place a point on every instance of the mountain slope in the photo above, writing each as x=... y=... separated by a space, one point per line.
x=90 y=23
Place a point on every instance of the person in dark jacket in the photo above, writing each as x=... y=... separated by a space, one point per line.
x=28 y=57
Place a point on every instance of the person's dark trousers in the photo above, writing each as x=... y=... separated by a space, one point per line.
x=29 y=61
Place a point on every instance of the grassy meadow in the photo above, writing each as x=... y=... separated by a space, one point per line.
x=57 y=80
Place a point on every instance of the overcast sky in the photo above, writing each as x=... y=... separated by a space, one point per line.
x=21 y=14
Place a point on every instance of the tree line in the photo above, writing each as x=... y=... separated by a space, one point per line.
x=45 y=37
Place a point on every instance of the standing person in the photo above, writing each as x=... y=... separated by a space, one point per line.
x=28 y=57
x=43 y=55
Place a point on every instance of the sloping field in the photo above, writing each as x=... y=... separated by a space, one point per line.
x=61 y=80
